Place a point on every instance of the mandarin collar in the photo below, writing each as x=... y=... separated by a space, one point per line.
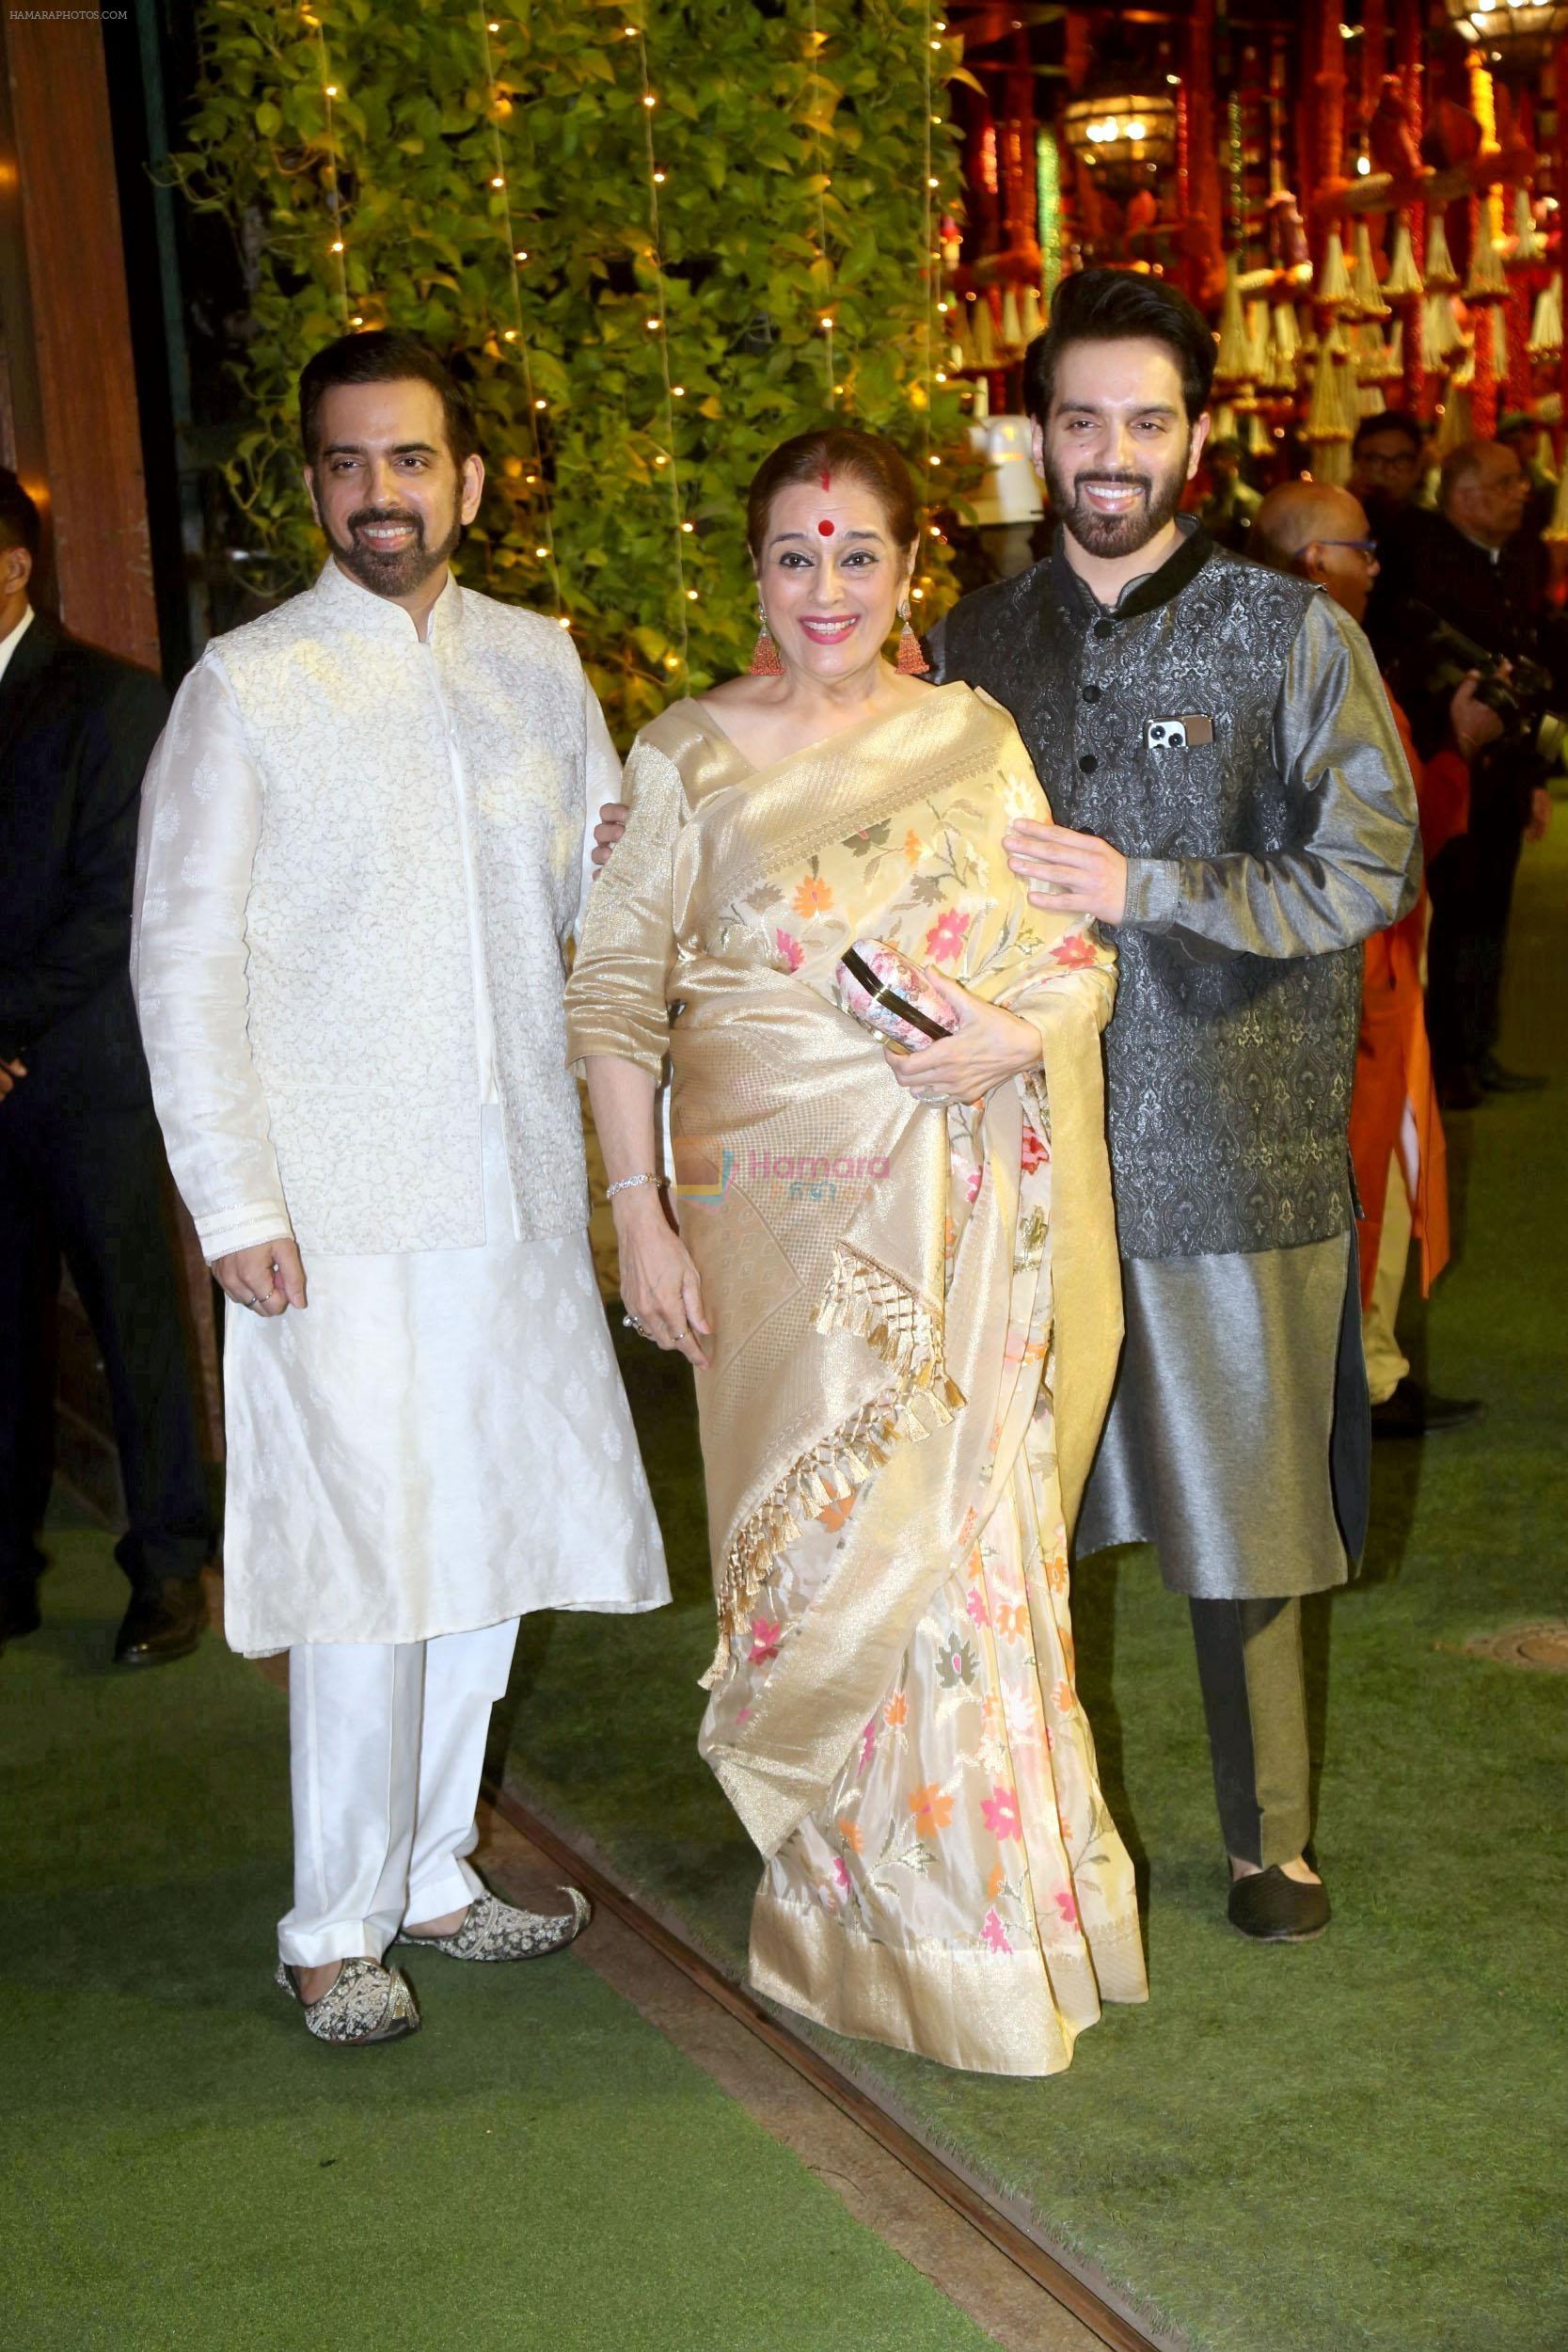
x=1146 y=594
x=370 y=615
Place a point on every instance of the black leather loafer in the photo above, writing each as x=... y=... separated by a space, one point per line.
x=19 y=1609
x=163 y=1625
x=1274 y=1909
x=1413 y=1411
x=1493 y=1078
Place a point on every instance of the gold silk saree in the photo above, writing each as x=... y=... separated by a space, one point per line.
x=916 y=1317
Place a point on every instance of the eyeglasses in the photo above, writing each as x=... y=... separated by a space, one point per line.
x=1361 y=547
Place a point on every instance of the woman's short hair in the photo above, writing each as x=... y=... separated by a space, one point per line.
x=384 y=355
x=837 y=451
x=1104 y=306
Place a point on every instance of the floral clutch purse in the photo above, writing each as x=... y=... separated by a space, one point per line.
x=882 y=990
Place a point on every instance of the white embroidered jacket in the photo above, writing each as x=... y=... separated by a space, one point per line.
x=301 y=952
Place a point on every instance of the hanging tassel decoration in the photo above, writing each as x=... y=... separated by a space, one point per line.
x=1441 y=275
x=1283 y=347
x=1233 y=357
x=1457 y=423
x=1528 y=244
x=985 y=333
x=1256 y=314
x=1404 y=282
x=1545 y=334
x=1368 y=294
x=1333 y=289
x=1488 y=278
x=1556 y=531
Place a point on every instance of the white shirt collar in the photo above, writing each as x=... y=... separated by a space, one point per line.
x=363 y=609
x=10 y=642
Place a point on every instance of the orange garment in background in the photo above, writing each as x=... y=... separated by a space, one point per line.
x=1393 y=1065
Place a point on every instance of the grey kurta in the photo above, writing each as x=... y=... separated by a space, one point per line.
x=1261 y=854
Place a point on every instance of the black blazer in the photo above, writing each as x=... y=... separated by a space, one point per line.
x=77 y=727
x=1497 y=604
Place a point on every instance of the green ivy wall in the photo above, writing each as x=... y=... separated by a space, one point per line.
x=795 y=142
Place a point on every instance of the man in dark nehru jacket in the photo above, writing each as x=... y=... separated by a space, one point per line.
x=80 y=1158
x=1232 y=800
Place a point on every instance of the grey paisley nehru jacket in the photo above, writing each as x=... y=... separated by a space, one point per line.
x=1225 y=728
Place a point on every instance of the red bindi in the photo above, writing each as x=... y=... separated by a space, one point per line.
x=826 y=530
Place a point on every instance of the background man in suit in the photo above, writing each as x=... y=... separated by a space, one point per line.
x=80 y=1157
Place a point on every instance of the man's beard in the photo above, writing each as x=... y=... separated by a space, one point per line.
x=1113 y=535
x=395 y=571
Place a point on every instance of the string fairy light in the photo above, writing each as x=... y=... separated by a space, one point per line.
x=658 y=323
x=515 y=336
x=929 y=45
x=932 y=30
x=827 y=322
x=337 y=247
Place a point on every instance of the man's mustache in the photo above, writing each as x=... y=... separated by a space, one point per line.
x=368 y=514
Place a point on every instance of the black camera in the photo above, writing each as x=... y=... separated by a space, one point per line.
x=1522 y=699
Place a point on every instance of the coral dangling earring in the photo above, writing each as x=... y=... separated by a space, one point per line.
x=764 y=654
x=911 y=662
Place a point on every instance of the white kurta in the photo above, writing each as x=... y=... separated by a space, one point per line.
x=440 y=1440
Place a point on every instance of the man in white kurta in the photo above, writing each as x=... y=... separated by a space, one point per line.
x=363 y=854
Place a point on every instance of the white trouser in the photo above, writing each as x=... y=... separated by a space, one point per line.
x=387 y=1744
x=1386 y=1362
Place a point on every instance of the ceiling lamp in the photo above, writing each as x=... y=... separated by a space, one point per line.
x=1518 y=31
x=1123 y=139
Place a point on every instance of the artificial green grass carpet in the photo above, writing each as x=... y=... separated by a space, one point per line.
x=1348 y=2144
x=184 y=2170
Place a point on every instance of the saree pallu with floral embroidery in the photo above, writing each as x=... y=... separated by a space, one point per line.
x=916 y=1318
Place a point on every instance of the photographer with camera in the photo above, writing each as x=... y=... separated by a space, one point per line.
x=1474 y=602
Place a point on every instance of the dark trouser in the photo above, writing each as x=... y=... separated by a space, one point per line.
x=1471 y=882
x=1249 y=1665
x=81 y=1178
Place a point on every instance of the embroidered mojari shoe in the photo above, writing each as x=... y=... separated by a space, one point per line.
x=495 y=1930
x=366 y=2003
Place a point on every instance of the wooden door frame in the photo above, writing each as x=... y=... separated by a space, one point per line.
x=69 y=419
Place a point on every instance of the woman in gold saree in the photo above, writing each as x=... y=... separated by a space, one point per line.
x=896 y=1278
